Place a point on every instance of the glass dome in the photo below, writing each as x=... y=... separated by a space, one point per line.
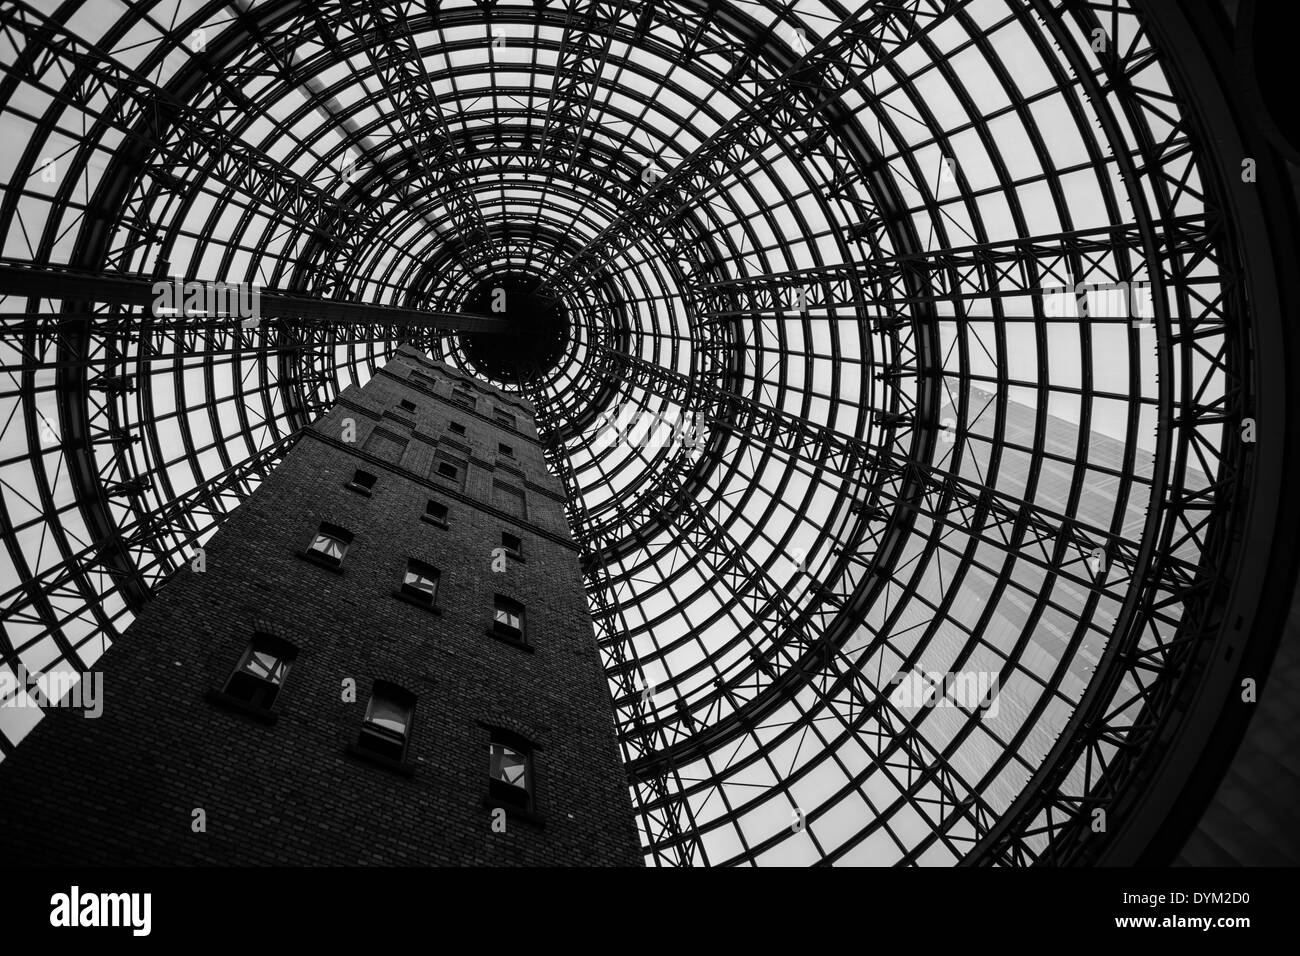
x=896 y=360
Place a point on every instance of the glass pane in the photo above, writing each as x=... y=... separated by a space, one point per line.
x=418 y=581
x=265 y=665
x=509 y=766
x=327 y=545
x=389 y=714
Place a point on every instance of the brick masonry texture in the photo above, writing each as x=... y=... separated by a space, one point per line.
x=121 y=789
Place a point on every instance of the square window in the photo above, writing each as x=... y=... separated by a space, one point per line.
x=457 y=428
x=450 y=468
x=330 y=545
x=508 y=618
x=505 y=450
x=261 y=672
x=387 y=725
x=420 y=582
x=362 y=481
x=512 y=543
x=436 y=511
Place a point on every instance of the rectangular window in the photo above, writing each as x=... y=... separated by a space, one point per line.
x=449 y=468
x=420 y=583
x=463 y=395
x=509 y=498
x=330 y=545
x=508 y=618
x=436 y=512
x=362 y=481
x=512 y=543
x=261 y=672
x=505 y=450
x=406 y=405
x=386 y=729
x=510 y=770
x=504 y=418
x=457 y=428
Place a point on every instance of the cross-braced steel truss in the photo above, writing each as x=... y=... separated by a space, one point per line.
x=955 y=293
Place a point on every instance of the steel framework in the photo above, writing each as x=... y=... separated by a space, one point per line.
x=871 y=248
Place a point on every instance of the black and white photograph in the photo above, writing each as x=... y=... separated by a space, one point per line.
x=495 y=435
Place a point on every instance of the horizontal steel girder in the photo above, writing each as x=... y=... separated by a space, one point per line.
x=295 y=308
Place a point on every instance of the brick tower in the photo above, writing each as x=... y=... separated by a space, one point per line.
x=387 y=657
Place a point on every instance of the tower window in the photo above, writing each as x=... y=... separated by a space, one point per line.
x=386 y=730
x=505 y=450
x=510 y=771
x=362 y=481
x=436 y=512
x=504 y=418
x=256 y=682
x=330 y=545
x=457 y=428
x=512 y=543
x=406 y=405
x=448 y=468
x=420 y=583
x=508 y=618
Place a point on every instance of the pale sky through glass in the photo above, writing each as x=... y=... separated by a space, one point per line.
x=1056 y=414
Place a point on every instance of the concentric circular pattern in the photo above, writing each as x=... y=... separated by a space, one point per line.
x=830 y=232
x=535 y=339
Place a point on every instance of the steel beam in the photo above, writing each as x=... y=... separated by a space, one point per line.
x=65 y=285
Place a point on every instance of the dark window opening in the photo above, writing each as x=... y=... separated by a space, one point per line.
x=421 y=582
x=508 y=618
x=406 y=405
x=436 y=511
x=512 y=543
x=457 y=428
x=330 y=545
x=506 y=450
x=387 y=727
x=362 y=481
x=449 y=468
x=257 y=680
